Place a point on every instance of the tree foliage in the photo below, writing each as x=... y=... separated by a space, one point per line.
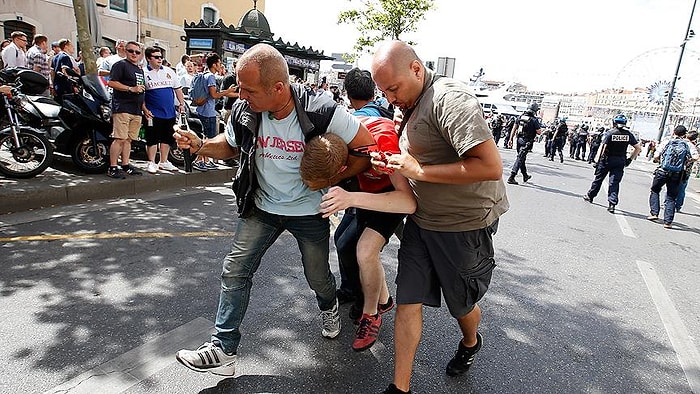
x=378 y=20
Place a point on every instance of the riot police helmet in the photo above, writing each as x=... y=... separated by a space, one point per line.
x=534 y=107
x=619 y=120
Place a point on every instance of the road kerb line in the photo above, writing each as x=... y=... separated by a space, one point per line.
x=687 y=353
x=117 y=375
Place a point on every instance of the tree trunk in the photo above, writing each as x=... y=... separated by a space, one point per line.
x=81 y=21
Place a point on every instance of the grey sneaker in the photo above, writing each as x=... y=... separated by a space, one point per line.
x=209 y=357
x=330 y=325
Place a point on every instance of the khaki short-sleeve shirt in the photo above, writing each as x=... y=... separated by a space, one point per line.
x=447 y=122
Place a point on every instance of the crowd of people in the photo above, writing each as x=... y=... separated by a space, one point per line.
x=431 y=175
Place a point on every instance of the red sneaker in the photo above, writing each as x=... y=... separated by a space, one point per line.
x=367 y=332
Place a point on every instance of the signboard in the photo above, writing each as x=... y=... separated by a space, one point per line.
x=446 y=66
x=232 y=46
x=201 y=43
x=340 y=66
x=304 y=63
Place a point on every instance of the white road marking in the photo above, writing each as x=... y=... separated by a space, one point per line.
x=621 y=221
x=117 y=375
x=687 y=354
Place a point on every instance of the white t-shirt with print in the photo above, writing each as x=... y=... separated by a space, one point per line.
x=279 y=149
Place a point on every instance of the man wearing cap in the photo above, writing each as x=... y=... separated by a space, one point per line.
x=668 y=176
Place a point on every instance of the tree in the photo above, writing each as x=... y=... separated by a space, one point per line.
x=81 y=22
x=378 y=20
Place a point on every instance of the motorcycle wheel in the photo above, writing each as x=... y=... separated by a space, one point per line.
x=33 y=156
x=86 y=158
x=176 y=155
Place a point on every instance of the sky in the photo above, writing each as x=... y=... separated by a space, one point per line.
x=561 y=46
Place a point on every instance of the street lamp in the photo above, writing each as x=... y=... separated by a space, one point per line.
x=688 y=35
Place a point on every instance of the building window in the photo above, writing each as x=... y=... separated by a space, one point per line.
x=209 y=15
x=118 y=5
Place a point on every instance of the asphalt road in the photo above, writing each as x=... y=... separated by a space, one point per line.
x=97 y=298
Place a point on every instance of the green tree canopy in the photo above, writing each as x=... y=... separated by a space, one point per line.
x=378 y=20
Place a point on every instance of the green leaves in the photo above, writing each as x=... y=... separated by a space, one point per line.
x=378 y=20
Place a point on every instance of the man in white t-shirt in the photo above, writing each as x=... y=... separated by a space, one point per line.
x=281 y=201
x=14 y=55
x=109 y=61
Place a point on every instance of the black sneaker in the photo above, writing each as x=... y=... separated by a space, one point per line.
x=355 y=312
x=464 y=357
x=393 y=390
x=588 y=198
x=116 y=172
x=527 y=178
x=611 y=208
x=512 y=181
x=131 y=170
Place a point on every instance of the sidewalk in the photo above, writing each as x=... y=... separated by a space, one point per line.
x=62 y=184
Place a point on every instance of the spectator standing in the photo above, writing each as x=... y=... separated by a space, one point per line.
x=276 y=199
x=37 y=59
x=109 y=61
x=128 y=83
x=105 y=52
x=228 y=82
x=162 y=89
x=181 y=66
x=454 y=169
x=207 y=112
x=186 y=79
x=15 y=54
x=62 y=61
x=3 y=44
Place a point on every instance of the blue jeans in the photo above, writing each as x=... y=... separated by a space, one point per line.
x=209 y=126
x=254 y=235
x=681 y=194
x=672 y=182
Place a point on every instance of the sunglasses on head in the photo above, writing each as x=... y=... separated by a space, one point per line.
x=157 y=57
x=134 y=51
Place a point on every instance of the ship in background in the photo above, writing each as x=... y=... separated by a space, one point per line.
x=504 y=98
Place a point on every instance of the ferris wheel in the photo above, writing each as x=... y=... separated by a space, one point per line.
x=654 y=70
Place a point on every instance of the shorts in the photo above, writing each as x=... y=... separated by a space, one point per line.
x=457 y=265
x=209 y=126
x=161 y=132
x=382 y=222
x=125 y=126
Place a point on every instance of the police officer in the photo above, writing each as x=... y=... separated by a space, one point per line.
x=596 y=139
x=559 y=140
x=529 y=127
x=612 y=160
x=548 y=134
x=581 y=142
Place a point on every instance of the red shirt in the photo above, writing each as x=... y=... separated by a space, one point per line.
x=384 y=133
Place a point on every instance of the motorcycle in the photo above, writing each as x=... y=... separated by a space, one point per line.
x=25 y=151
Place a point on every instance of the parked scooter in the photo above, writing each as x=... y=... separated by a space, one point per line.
x=24 y=151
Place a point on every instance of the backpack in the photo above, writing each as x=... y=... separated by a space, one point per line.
x=199 y=92
x=674 y=155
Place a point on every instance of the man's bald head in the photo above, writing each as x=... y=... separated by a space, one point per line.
x=399 y=73
x=270 y=63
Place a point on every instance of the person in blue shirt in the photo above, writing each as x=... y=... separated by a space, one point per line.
x=162 y=87
x=207 y=112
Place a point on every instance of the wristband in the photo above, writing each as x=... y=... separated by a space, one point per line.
x=198 y=149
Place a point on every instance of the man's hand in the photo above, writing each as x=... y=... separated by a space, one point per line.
x=335 y=200
x=187 y=139
x=404 y=163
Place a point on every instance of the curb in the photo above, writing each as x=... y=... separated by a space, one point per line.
x=35 y=196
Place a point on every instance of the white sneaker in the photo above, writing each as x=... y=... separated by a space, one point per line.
x=330 y=322
x=209 y=357
x=168 y=166
x=152 y=167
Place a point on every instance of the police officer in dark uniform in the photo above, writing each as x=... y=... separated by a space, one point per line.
x=581 y=142
x=529 y=127
x=548 y=135
x=612 y=160
x=559 y=140
x=596 y=140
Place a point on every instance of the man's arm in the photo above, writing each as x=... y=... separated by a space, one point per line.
x=400 y=200
x=216 y=148
x=481 y=163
